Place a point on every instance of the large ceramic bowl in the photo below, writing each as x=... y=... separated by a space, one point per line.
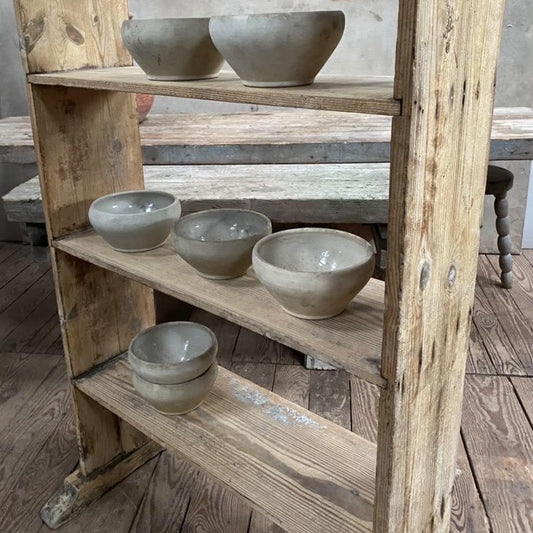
x=134 y=221
x=218 y=243
x=277 y=49
x=172 y=352
x=172 y=49
x=312 y=272
x=179 y=398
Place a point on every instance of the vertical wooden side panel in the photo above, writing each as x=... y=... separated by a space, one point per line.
x=446 y=60
x=87 y=145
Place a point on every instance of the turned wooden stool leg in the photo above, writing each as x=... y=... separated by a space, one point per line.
x=499 y=182
x=503 y=227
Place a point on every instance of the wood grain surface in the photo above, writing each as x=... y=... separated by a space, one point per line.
x=499 y=445
x=275 y=137
x=351 y=340
x=283 y=455
x=446 y=61
x=333 y=93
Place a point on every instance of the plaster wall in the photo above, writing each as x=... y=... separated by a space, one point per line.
x=367 y=47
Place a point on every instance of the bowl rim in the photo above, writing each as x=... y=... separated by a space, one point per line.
x=244 y=16
x=164 y=325
x=355 y=238
x=95 y=204
x=198 y=214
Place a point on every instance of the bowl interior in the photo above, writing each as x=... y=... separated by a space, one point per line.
x=172 y=343
x=133 y=203
x=221 y=225
x=314 y=251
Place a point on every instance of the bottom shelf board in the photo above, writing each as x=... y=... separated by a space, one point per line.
x=351 y=340
x=305 y=473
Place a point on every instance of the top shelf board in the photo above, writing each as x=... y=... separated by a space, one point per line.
x=371 y=95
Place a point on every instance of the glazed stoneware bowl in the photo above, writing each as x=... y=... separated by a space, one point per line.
x=312 y=272
x=134 y=221
x=172 y=352
x=172 y=48
x=218 y=243
x=179 y=398
x=277 y=49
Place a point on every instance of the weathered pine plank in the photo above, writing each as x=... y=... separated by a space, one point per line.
x=445 y=66
x=167 y=496
x=40 y=477
x=478 y=360
x=333 y=93
x=524 y=391
x=252 y=347
x=515 y=325
x=341 y=193
x=356 y=331
x=12 y=267
x=14 y=289
x=499 y=442
x=298 y=136
x=498 y=347
x=7 y=249
x=27 y=432
x=258 y=444
x=522 y=290
x=22 y=377
x=329 y=396
x=364 y=400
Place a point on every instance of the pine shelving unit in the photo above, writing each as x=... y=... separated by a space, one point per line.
x=408 y=336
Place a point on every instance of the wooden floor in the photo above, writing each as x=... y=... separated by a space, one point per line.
x=494 y=485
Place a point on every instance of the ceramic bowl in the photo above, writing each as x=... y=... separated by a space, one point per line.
x=172 y=48
x=277 y=49
x=134 y=221
x=218 y=243
x=312 y=272
x=172 y=352
x=180 y=398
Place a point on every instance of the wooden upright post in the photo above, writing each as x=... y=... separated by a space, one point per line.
x=87 y=144
x=445 y=70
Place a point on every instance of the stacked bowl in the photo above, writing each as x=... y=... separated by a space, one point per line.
x=174 y=365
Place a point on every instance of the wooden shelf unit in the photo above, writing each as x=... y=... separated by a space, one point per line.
x=88 y=144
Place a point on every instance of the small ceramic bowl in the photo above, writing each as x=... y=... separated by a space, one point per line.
x=172 y=48
x=218 y=243
x=173 y=352
x=179 y=398
x=312 y=272
x=134 y=221
x=277 y=49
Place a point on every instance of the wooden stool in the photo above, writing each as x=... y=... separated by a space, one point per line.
x=499 y=182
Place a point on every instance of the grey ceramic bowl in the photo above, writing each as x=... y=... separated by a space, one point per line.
x=312 y=272
x=218 y=243
x=172 y=352
x=180 y=398
x=134 y=221
x=172 y=48
x=277 y=49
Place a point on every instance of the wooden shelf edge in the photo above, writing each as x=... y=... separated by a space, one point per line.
x=372 y=95
x=304 y=472
x=351 y=341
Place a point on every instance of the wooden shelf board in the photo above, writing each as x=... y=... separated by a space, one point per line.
x=307 y=474
x=351 y=340
x=362 y=94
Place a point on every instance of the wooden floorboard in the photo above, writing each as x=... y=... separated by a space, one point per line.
x=494 y=484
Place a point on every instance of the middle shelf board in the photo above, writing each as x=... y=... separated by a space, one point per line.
x=306 y=473
x=351 y=340
x=372 y=95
